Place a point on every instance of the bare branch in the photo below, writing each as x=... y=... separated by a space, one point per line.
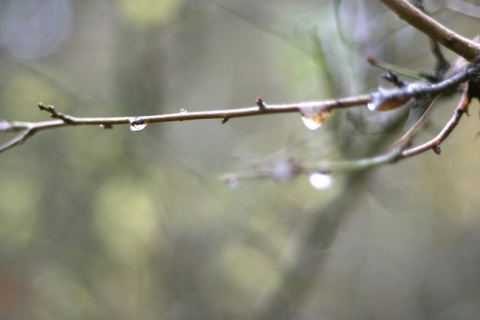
x=383 y=99
x=451 y=40
x=434 y=144
x=399 y=150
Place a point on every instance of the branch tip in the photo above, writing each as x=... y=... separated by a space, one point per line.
x=55 y=114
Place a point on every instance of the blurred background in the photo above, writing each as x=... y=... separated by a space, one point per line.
x=114 y=224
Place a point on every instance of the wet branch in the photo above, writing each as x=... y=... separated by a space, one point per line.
x=28 y=129
x=383 y=99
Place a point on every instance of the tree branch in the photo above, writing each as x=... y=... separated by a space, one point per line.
x=383 y=99
x=398 y=151
x=451 y=40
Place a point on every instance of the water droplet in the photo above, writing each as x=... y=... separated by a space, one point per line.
x=384 y=100
x=314 y=117
x=183 y=110
x=375 y=101
x=137 y=124
x=437 y=149
x=106 y=126
x=320 y=181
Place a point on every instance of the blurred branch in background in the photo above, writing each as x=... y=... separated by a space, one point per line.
x=464 y=7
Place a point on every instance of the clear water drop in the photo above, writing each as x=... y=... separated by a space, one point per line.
x=372 y=106
x=375 y=102
x=137 y=124
x=320 y=181
x=314 y=117
x=183 y=110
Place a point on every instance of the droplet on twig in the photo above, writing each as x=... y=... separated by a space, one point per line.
x=313 y=117
x=183 y=110
x=437 y=149
x=383 y=100
x=320 y=181
x=137 y=124
x=106 y=126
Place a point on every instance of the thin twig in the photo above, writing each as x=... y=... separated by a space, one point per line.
x=27 y=129
x=462 y=107
x=379 y=99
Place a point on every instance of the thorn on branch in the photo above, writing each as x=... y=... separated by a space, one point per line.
x=260 y=103
x=437 y=149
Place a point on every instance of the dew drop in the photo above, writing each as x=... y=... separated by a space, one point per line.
x=183 y=110
x=320 y=181
x=314 y=117
x=137 y=124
